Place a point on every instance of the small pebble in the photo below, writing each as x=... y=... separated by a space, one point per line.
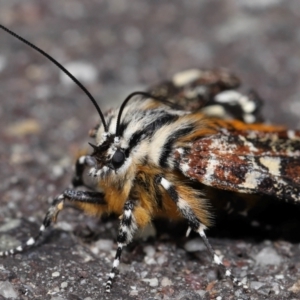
x=144 y=274
x=276 y=288
x=55 y=274
x=152 y=281
x=161 y=259
x=64 y=226
x=268 y=256
x=149 y=250
x=149 y=260
x=22 y=128
x=194 y=245
x=296 y=287
x=57 y=171
x=7 y=290
x=166 y=282
x=102 y=245
x=256 y=285
x=201 y=292
x=12 y=224
x=133 y=293
x=83 y=71
x=64 y=285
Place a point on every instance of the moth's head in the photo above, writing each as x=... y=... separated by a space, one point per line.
x=112 y=152
x=110 y=155
x=121 y=146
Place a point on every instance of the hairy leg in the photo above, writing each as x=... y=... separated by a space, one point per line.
x=81 y=163
x=195 y=224
x=52 y=213
x=127 y=229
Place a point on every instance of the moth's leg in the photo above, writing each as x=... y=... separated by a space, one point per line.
x=195 y=224
x=81 y=163
x=128 y=226
x=52 y=213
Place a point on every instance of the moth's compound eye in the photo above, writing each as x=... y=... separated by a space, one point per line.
x=118 y=159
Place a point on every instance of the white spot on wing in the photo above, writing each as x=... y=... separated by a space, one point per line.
x=233 y=97
x=272 y=164
x=212 y=163
x=227 y=97
x=185 y=167
x=248 y=105
x=252 y=179
x=291 y=134
x=186 y=77
x=248 y=118
x=215 y=110
x=247 y=143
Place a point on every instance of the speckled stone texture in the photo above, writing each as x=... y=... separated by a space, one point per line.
x=117 y=46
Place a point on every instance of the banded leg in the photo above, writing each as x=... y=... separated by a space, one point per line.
x=195 y=224
x=126 y=231
x=80 y=165
x=52 y=213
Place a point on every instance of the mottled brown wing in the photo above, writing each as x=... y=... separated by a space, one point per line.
x=214 y=92
x=246 y=162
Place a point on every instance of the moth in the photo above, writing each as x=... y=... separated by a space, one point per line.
x=168 y=152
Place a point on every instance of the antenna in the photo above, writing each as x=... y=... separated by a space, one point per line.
x=145 y=95
x=124 y=104
x=60 y=66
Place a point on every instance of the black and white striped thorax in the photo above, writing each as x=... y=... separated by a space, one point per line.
x=147 y=134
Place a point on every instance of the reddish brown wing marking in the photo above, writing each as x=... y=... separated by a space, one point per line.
x=247 y=162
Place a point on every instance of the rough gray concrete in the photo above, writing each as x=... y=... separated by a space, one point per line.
x=44 y=120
